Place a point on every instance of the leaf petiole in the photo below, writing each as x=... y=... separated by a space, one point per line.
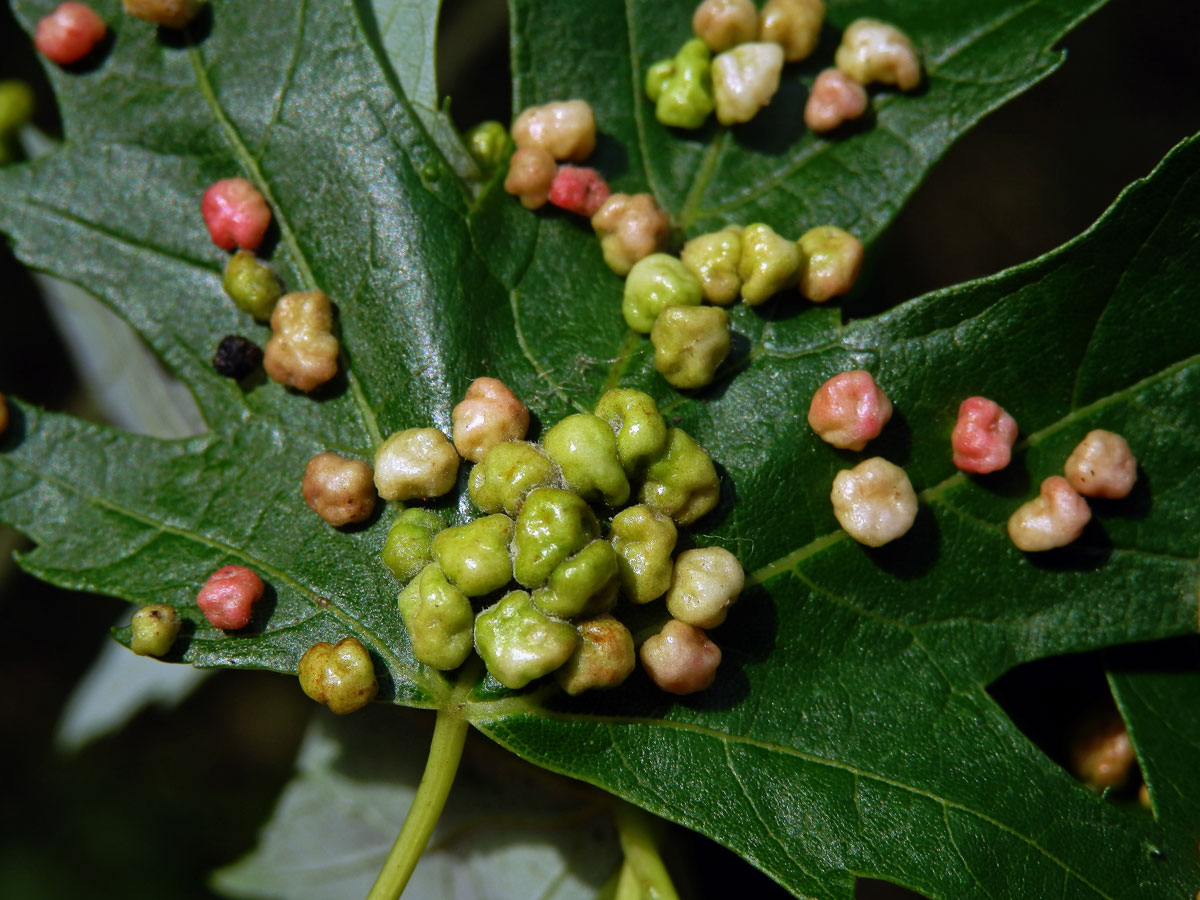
x=643 y=864
x=445 y=751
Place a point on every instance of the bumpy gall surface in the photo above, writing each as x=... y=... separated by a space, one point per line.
x=489 y=414
x=578 y=190
x=302 y=352
x=835 y=98
x=849 y=409
x=1102 y=465
x=983 y=436
x=681 y=659
x=339 y=490
x=69 y=33
x=793 y=24
x=565 y=129
x=340 y=675
x=745 y=79
x=630 y=227
x=603 y=659
x=831 y=260
x=874 y=502
x=706 y=582
x=236 y=214
x=874 y=51
x=415 y=464
x=228 y=597
x=1054 y=518
x=722 y=24
x=531 y=172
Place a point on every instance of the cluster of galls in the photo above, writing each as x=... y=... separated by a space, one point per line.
x=541 y=530
x=751 y=49
x=665 y=296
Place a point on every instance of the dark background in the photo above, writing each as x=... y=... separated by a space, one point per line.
x=118 y=818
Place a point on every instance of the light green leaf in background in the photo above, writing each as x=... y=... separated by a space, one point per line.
x=850 y=732
x=509 y=832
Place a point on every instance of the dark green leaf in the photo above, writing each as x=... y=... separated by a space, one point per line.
x=849 y=732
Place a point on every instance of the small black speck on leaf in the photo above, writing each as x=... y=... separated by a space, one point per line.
x=236 y=356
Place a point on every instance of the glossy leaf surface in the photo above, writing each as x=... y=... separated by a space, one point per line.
x=849 y=732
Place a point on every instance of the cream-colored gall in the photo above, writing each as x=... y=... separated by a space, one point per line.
x=1054 y=518
x=565 y=129
x=488 y=415
x=630 y=227
x=302 y=352
x=745 y=79
x=531 y=172
x=415 y=464
x=1102 y=465
x=849 y=409
x=722 y=24
x=835 y=98
x=705 y=583
x=877 y=52
x=680 y=659
x=874 y=502
x=793 y=24
x=339 y=490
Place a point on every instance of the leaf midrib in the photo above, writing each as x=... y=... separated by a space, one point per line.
x=254 y=173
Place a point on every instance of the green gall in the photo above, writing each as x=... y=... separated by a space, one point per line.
x=340 y=675
x=681 y=88
x=654 y=282
x=641 y=431
x=690 y=342
x=715 y=259
x=604 y=657
x=407 y=549
x=830 y=262
x=438 y=617
x=585 y=449
x=769 y=263
x=657 y=77
x=683 y=484
x=507 y=473
x=252 y=285
x=518 y=643
x=154 y=629
x=552 y=526
x=643 y=540
x=585 y=584
x=16 y=106
x=475 y=556
x=489 y=145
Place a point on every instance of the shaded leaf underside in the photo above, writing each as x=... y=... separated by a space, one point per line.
x=849 y=732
